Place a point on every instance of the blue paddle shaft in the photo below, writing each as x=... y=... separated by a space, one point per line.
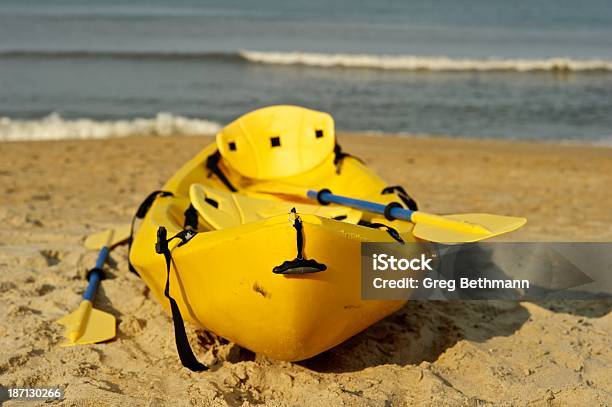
x=328 y=197
x=95 y=276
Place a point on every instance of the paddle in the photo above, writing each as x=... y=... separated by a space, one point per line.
x=88 y=325
x=110 y=237
x=468 y=227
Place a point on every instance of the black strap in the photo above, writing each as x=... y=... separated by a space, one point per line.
x=191 y=218
x=141 y=212
x=212 y=163
x=339 y=157
x=403 y=195
x=297 y=224
x=188 y=359
x=391 y=231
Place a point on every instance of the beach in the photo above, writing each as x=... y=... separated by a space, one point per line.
x=55 y=193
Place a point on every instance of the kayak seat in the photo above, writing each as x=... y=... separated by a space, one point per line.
x=277 y=142
x=221 y=209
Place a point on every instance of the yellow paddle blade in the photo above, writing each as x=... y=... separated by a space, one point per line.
x=277 y=188
x=88 y=325
x=109 y=237
x=463 y=228
x=221 y=209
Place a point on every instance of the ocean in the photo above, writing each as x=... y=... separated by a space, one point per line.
x=523 y=69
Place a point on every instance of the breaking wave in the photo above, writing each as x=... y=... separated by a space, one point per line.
x=434 y=64
x=54 y=127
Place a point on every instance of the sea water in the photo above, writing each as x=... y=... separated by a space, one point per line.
x=536 y=69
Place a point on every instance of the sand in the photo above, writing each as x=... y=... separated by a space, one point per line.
x=452 y=353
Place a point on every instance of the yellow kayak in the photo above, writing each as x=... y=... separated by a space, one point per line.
x=253 y=261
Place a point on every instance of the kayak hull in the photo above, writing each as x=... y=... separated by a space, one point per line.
x=222 y=279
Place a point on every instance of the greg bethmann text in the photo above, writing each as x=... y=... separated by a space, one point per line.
x=385 y=262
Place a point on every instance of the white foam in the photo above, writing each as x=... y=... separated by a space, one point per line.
x=54 y=127
x=419 y=63
x=605 y=141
